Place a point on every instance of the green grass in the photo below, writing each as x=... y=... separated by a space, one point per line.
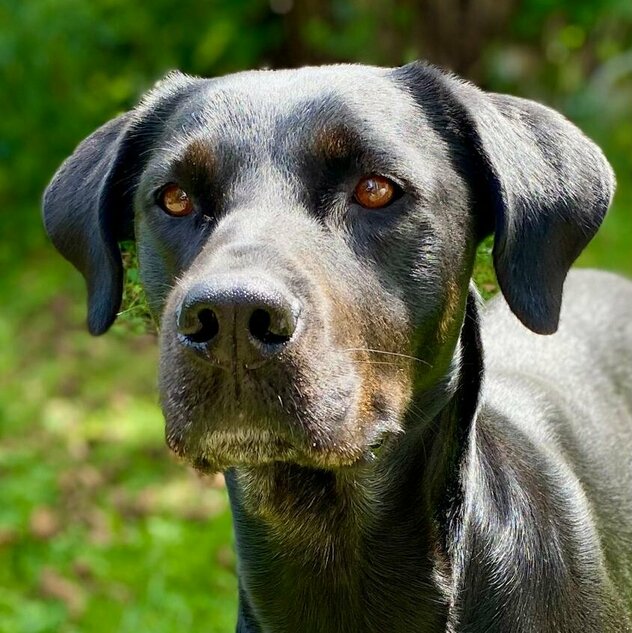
x=100 y=529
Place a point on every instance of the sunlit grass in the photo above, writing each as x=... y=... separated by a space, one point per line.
x=100 y=529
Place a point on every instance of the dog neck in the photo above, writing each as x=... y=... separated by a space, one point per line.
x=365 y=548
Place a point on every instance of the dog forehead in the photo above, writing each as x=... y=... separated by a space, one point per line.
x=254 y=103
x=281 y=88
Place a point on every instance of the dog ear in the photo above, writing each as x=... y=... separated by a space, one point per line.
x=81 y=218
x=540 y=184
x=549 y=188
x=87 y=207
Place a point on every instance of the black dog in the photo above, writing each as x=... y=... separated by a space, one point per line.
x=306 y=239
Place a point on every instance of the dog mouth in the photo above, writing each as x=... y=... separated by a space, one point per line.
x=319 y=413
x=218 y=451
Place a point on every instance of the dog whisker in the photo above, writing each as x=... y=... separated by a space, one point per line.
x=381 y=351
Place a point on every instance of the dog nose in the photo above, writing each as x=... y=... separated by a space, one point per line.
x=247 y=320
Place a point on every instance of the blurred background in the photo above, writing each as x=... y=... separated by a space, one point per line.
x=100 y=529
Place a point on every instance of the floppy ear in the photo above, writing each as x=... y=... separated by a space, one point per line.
x=543 y=186
x=87 y=207
x=549 y=189
x=81 y=218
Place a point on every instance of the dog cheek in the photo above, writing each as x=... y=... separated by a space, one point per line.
x=376 y=335
x=156 y=272
x=385 y=393
x=321 y=388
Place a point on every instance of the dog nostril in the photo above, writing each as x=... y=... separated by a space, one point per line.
x=271 y=329
x=207 y=327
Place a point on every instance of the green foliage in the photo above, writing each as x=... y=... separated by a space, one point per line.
x=484 y=275
x=100 y=530
x=134 y=309
x=69 y=65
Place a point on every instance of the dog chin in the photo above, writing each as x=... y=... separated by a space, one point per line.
x=218 y=451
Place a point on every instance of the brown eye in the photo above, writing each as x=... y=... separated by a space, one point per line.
x=175 y=201
x=374 y=192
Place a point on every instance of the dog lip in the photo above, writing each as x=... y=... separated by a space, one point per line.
x=237 y=440
x=220 y=450
x=377 y=444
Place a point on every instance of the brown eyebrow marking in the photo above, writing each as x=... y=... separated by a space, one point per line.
x=335 y=142
x=199 y=158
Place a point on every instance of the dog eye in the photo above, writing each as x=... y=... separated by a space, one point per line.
x=175 y=201
x=375 y=192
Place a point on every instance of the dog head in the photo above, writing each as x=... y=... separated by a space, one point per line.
x=306 y=239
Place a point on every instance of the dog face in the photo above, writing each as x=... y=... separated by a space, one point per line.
x=306 y=240
x=277 y=229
